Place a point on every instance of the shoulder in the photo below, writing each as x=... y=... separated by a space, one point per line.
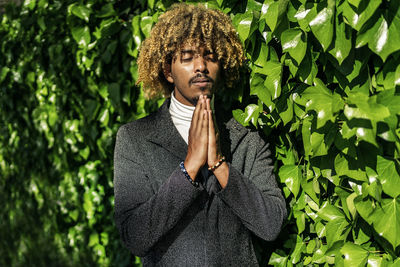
x=140 y=127
x=145 y=126
x=237 y=130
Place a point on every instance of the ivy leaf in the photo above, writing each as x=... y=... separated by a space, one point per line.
x=336 y=229
x=354 y=255
x=272 y=11
x=81 y=35
x=106 y=10
x=364 y=207
x=307 y=70
x=258 y=88
x=291 y=175
x=329 y=212
x=319 y=148
x=298 y=249
x=243 y=24
x=388 y=176
x=383 y=38
x=322 y=25
x=348 y=166
x=366 y=107
x=386 y=220
x=273 y=70
x=114 y=94
x=146 y=23
x=389 y=99
x=80 y=11
x=356 y=17
x=294 y=42
x=354 y=2
x=342 y=46
x=250 y=114
x=321 y=100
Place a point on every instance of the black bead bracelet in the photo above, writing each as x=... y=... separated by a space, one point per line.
x=194 y=183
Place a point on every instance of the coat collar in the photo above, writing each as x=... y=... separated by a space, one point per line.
x=164 y=133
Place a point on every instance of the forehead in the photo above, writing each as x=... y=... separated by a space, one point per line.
x=194 y=45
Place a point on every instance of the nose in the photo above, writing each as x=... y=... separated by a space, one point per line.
x=200 y=64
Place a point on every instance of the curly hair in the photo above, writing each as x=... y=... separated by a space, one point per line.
x=182 y=22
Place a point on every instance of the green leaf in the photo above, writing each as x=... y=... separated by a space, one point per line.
x=243 y=24
x=388 y=176
x=298 y=250
x=278 y=260
x=81 y=35
x=336 y=229
x=321 y=100
x=354 y=2
x=258 y=88
x=3 y=73
x=365 y=208
x=294 y=42
x=322 y=25
x=366 y=107
x=354 y=255
x=357 y=17
x=383 y=38
x=291 y=176
x=347 y=166
x=389 y=99
x=329 y=212
x=386 y=220
x=271 y=12
x=318 y=145
x=145 y=25
x=80 y=11
x=273 y=70
x=376 y=260
x=250 y=114
x=304 y=15
x=106 y=10
x=93 y=240
x=342 y=45
x=307 y=70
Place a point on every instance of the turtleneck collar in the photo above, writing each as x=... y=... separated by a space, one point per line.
x=181 y=116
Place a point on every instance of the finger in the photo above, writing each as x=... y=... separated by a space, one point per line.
x=212 y=146
x=208 y=104
x=196 y=114
x=204 y=126
x=201 y=117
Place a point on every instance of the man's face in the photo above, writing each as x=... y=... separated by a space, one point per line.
x=194 y=71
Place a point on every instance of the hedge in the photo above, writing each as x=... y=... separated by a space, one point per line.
x=322 y=82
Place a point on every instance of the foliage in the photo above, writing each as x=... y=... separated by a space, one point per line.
x=324 y=86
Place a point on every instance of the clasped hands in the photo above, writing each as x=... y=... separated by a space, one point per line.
x=202 y=144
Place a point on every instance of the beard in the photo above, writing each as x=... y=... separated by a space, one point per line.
x=195 y=99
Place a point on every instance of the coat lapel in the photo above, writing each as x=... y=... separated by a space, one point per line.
x=165 y=134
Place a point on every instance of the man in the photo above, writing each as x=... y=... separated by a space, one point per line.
x=180 y=198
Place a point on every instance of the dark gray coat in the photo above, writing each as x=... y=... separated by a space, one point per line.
x=167 y=221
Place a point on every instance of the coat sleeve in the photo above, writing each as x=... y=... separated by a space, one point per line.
x=143 y=216
x=256 y=200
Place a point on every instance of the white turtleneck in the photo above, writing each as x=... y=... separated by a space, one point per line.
x=181 y=116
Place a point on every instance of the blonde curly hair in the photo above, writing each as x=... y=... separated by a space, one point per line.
x=182 y=22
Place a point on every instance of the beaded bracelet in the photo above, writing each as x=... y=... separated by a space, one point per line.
x=217 y=165
x=194 y=183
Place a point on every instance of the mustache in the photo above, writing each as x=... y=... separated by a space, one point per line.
x=200 y=76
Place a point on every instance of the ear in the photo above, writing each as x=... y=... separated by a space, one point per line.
x=167 y=73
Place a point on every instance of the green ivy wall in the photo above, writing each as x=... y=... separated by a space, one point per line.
x=322 y=81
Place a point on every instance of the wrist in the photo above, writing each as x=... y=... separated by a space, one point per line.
x=191 y=169
x=216 y=163
x=190 y=179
